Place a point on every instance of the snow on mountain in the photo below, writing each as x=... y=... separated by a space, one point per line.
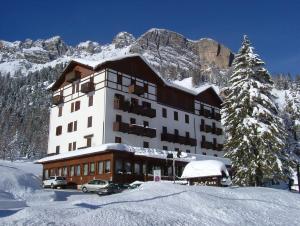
x=167 y=51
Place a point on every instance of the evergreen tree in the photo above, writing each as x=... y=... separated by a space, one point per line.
x=256 y=138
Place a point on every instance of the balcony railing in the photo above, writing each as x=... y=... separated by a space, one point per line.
x=125 y=105
x=217 y=116
x=135 y=89
x=72 y=76
x=219 y=131
x=207 y=145
x=134 y=129
x=173 y=138
x=87 y=87
x=58 y=99
x=206 y=113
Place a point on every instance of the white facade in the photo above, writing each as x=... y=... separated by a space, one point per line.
x=104 y=115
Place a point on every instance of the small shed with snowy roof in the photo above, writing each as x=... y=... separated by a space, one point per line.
x=206 y=172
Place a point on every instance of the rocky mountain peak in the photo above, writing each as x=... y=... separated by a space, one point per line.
x=123 y=39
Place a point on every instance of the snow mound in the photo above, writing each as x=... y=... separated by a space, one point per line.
x=205 y=168
x=18 y=179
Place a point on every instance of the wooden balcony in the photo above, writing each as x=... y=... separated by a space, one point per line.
x=173 y=138
x=135 y=89
x=206 y=113
x=72 y=76
x=208 y=128
x=220 y=147
x=207 y=145
x=142 y=110
x=217 y=116
x=121 y=104
x=58 y=99
x=87 y=87
x=125 y=105
x=134 y=129
x=219 y=131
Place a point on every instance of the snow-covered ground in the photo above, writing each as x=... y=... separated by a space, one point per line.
x=152 y=204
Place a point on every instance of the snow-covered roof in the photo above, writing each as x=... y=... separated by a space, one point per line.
x=204 y=168
x=149 y=152
x=178 y=85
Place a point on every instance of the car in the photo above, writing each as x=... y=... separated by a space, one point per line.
x=94 y=185
x=111 y=189
x=54 y=182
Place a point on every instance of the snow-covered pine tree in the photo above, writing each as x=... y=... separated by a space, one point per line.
x=255 y=134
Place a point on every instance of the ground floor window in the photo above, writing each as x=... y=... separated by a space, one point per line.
x=46 y=174
x=78 y=173
x=137 y=168
x=72 y=171
x=128 y=167
x=85 y=169
x=100 y=167
x=107 y=166
x=65 y=171
x=92 y=168
x=119 y=166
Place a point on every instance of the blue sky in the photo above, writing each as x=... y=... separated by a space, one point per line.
x=272 y=26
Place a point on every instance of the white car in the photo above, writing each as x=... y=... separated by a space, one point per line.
x=94 y=185
x=54 y=182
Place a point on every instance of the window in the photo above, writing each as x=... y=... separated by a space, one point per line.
x=57 y=150
x=70 y=146
x=77 y=87
x=164 y=129
x=165 y=148
x=72 y=171
x=119 y=79
x=91 y=99
x=60 y=172
x=202 y=122
x=215 y=155
x=203 y=138
x=70 y=127
x=59 y=111
x=145 y=88
x=90 y=121
x=74 y=146
x=187 y=119
x=75 y=125
x=85 y=169
x=65 y=171
x=132 y=121
x=72 y=107
x=187 y=134
x=119 y=166
x=107 y=166
x=77 y=105
x=146 y=144
x=134 y=101
x=215 y=141
x=164 y=113
x=177 y=149
x=203 y=153
x=175 y=115
x=118 y=118
x=188 y=151
x=46 y=174
x=77 y=172
x=137 y=168
x=58 y=130
x=89 y=141
x=73 y=88
x=92 y=168
x=118 y=140
x=127 y=167
x=176 y=132
x=100 y=167
x=146 y=124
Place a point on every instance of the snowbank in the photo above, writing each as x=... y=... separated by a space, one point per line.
x=155 y=203
x=17 y=181
x=205 y=168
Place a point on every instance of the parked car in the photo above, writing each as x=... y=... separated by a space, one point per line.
x=111 y=189
x=94 y=185
x=54 y=182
